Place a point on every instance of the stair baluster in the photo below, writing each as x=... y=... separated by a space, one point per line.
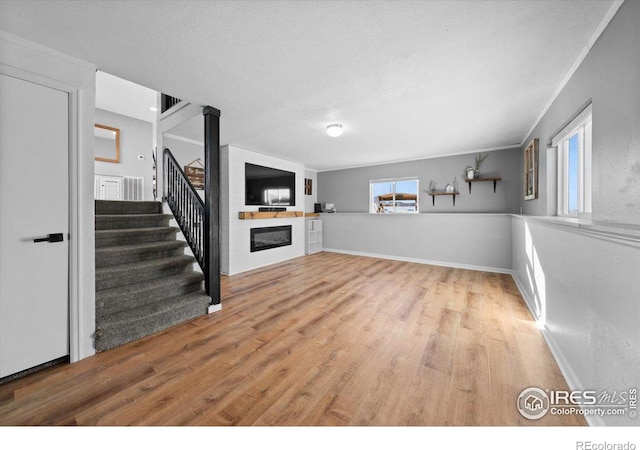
x=186 y=206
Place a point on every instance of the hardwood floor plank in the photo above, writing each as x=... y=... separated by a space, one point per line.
x=325 y=339
x=470 y=395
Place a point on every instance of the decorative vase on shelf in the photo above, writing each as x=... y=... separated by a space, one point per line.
x=476 y=174
x=449 y=189
x=470 y=173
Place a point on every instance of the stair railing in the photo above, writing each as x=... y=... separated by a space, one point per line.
x=187 y=207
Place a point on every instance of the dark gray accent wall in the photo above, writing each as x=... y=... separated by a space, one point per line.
x=348 y=189
x=609 y=76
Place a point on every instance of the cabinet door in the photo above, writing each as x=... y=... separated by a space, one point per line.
x=109 y=188
x=112 y=189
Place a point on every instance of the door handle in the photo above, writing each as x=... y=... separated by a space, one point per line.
x=54 y=237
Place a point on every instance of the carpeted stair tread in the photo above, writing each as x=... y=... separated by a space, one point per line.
x=144 y=280
x=124 y=254
x=132 y=231
x=119 y=328
x=143 y=265
x=127 y=207
x=124 y=274
x=130 y=236
x=125 y=221
x=110 y=301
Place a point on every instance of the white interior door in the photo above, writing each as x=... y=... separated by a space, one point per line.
x=34 y=204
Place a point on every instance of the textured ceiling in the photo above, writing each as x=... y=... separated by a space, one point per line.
x=406 y=79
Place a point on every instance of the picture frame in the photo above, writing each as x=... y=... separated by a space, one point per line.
x=195 y=174
x=106 y=143
x=308 y=186
x=531 y=170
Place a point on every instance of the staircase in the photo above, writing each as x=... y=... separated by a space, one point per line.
x=144 y=280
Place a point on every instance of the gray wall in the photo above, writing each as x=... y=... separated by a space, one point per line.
x=136 y=138
x=584 y=290
x=348 y=189
x=474 y=241
x=609 y=76
x=184 y=153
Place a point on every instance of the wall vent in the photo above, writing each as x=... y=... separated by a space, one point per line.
x=133 y=188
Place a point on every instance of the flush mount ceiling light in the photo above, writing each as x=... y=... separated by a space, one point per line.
x=334 y=130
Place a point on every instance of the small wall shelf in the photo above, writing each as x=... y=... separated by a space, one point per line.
x=434 y=194
x=246 y=215
x=479 y=180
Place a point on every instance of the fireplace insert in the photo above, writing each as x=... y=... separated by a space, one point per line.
x=270 y=237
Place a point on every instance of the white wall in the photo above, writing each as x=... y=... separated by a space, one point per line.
x=235 y=233
x=474 y=241
x=309 y=200
x=584 y=290
x=136 y=138
x=78 y=78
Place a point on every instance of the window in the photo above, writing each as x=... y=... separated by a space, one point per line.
x=394 y=196
x=574 y=166
x=277 y=196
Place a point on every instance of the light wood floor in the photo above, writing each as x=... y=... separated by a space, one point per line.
x=327 y=339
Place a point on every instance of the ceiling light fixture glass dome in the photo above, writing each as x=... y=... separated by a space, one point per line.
x=334 y=130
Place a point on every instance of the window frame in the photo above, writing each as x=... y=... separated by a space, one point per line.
x=394 y=181
x=582 y=126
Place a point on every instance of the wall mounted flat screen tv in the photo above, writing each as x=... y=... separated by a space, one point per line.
x=266 y=186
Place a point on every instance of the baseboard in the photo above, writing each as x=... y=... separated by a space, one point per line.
x=422 y=261
x=567 y=371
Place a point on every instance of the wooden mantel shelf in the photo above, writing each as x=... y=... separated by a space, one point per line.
x=246 y=215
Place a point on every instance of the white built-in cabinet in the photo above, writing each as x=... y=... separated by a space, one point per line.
x=314 y=236
x=112 y=187
x=108 y=187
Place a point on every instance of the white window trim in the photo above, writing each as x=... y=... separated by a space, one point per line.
x=581 y=123
x=394 y=180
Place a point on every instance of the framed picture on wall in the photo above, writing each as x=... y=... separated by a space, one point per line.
x=308 y=188
x=531 y=170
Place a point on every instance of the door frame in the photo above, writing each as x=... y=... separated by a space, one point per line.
x=75 y=247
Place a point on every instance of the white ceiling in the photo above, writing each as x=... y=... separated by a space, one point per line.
x=407 y=79
x=124 y=97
